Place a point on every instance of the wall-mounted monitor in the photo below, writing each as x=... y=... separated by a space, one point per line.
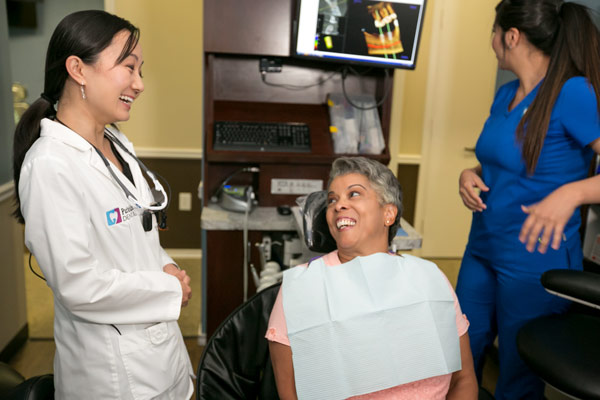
x=378 y=33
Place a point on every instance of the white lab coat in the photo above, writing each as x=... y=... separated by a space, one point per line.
x=102 y=274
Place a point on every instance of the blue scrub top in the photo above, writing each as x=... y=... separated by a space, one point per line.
x=565 y=157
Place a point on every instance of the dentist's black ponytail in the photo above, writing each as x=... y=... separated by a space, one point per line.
x=83 y=34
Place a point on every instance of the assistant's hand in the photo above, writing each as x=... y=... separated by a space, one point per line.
x=184 y=280
x=547 y=220
x=467 y=183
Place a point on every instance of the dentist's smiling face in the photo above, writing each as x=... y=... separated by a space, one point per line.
x=356 y=219
x=111 y=86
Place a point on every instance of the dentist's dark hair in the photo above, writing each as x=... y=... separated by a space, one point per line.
x=566 y=33
x=83 y=34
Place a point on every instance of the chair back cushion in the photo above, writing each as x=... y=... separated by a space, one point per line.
x=236 y=363
x=35 y=388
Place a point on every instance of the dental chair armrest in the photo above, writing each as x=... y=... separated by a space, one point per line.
x=580 y=286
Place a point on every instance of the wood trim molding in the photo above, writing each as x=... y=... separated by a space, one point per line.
x=7 y=190
x=412 y=159
x=169 y=152
x=15 y=344
x=184 y=253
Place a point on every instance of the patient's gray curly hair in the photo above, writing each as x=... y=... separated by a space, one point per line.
x=381 y=179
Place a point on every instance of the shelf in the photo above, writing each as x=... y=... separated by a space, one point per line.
x=214 y=218
x=314 y=115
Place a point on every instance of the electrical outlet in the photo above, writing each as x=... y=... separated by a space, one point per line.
x=270 y=65
x=185 y=201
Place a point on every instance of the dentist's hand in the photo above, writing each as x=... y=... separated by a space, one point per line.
x=184 y=280
x=467 y=183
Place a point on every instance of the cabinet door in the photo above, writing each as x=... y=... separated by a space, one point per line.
x=261 y=27
x=458 y=99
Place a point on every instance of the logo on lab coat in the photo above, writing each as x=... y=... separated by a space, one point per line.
x=113 y=217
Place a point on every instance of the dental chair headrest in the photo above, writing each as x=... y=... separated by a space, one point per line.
x=316 y=232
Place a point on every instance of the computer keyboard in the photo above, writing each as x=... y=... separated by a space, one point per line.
x=261 y=136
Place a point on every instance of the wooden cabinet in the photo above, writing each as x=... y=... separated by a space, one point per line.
x=238 y=34
x=260 y=27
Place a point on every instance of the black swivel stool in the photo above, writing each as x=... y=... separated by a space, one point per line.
x=564 y=350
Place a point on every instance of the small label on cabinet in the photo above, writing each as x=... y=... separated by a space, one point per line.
x=295 y=186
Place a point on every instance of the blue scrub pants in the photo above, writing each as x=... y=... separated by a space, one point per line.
x=498 y=300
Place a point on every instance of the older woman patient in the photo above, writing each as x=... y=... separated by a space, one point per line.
x=364 y=324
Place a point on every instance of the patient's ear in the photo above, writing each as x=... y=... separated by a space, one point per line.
x=389 y=212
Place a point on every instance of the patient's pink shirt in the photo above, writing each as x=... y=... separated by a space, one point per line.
x=431 y=388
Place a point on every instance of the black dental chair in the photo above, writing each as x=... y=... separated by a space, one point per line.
x=564 y=350
x=13 y=386
x=236 y=363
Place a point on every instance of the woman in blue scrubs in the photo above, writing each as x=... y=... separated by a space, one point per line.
x=534 y=152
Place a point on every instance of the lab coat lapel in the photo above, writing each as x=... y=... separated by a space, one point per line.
x=134 y=168
x=60 y=132
x=97 y=162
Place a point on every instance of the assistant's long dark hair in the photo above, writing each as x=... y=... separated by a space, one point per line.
x=566 y=33
x=83 y=34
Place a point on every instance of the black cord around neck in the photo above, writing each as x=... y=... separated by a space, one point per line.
x=35 y=273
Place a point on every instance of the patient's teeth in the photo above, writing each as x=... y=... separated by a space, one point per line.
x=345 y=222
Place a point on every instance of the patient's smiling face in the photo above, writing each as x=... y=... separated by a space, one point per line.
x=356 y=219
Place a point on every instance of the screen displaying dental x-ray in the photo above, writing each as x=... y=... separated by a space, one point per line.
x=379 y=33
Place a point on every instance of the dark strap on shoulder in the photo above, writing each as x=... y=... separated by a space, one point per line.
x=124 y=164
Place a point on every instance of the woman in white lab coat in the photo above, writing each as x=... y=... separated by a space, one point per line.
x=91 y=221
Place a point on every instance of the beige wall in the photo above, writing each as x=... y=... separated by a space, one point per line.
x=409 y=96
x=408 y=103
x=168 y=115
x=470 y=67
x=443 y=108
x=13 y=314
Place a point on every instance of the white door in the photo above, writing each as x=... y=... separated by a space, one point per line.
x=459 y=92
